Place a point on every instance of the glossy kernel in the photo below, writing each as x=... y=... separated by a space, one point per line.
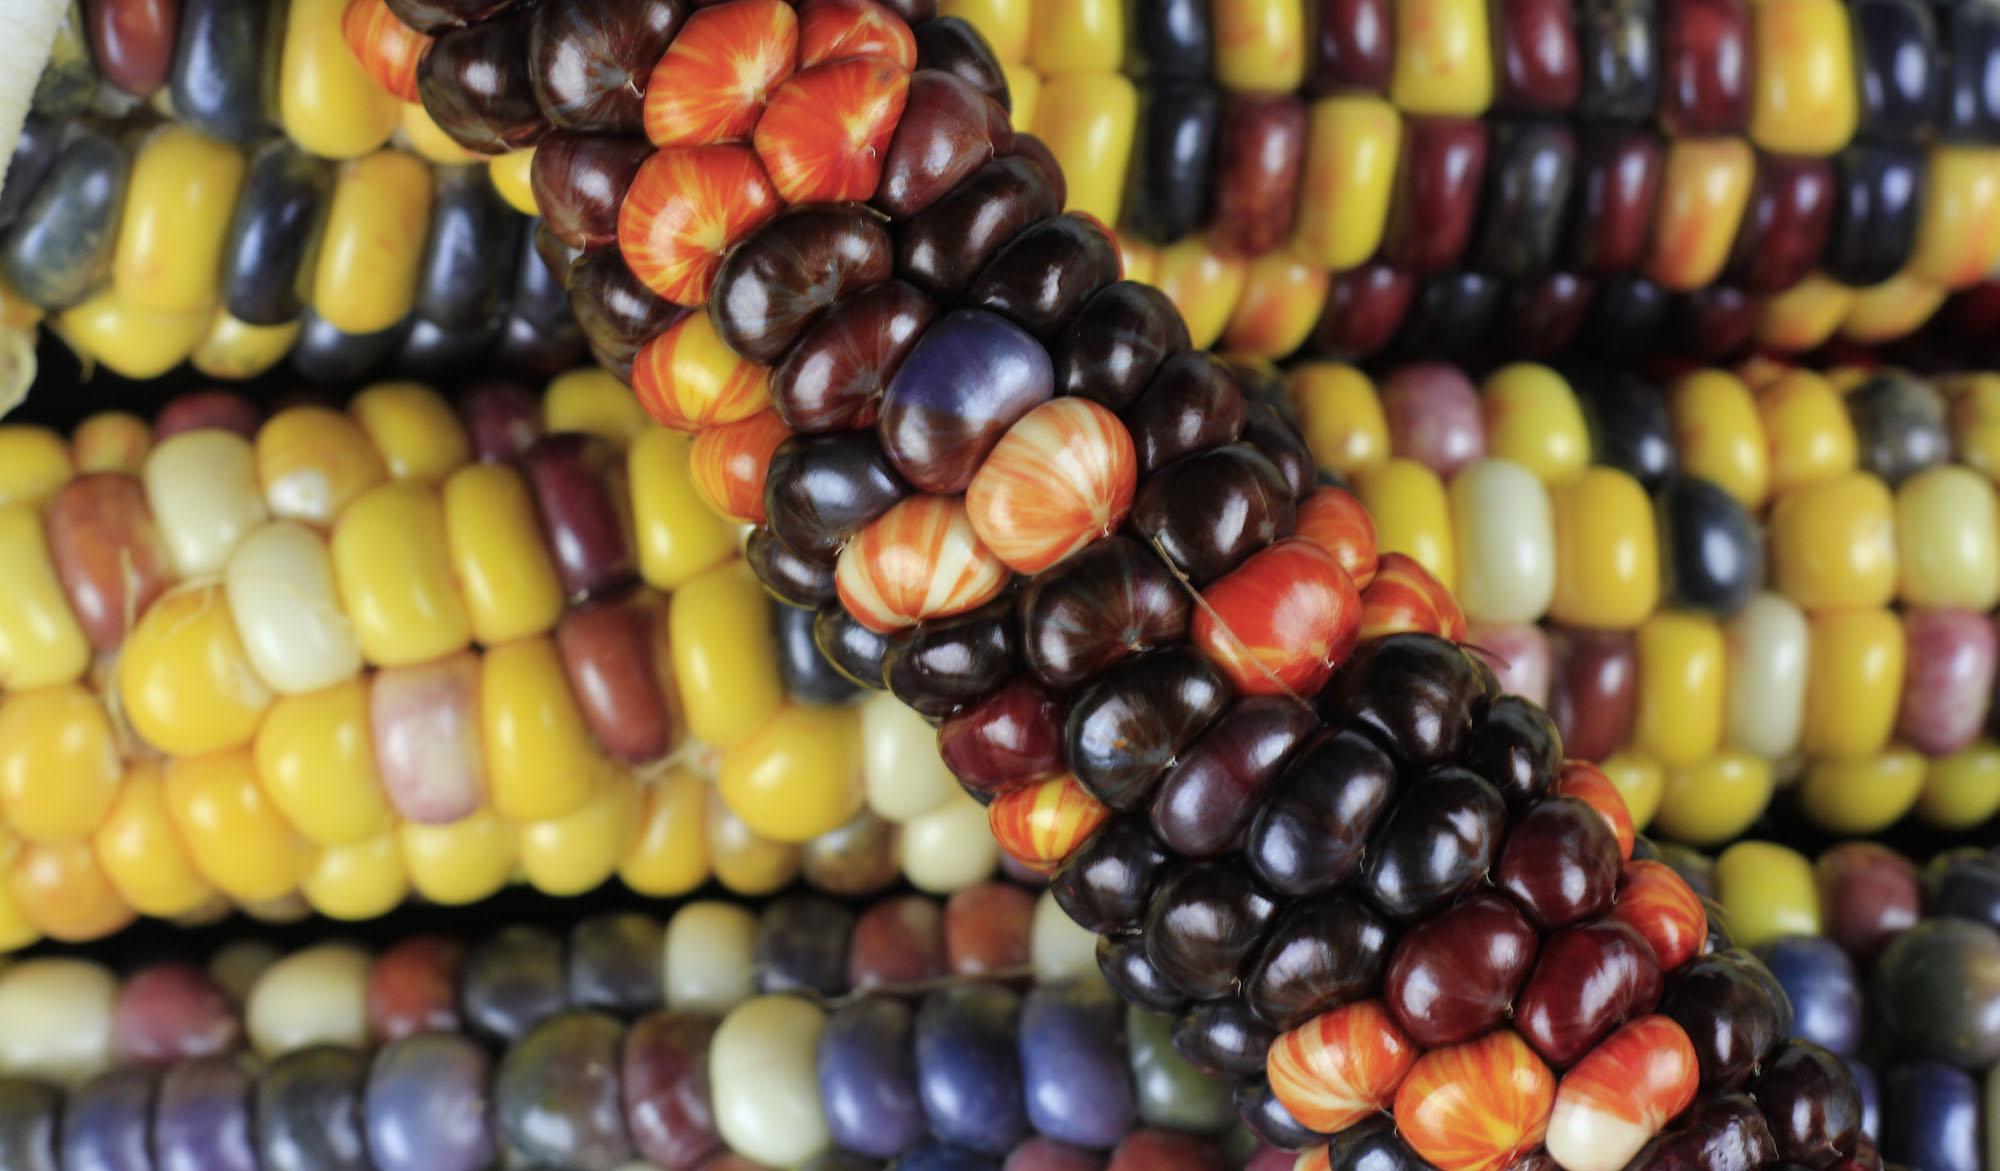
x=280 y=587
x=498 y=559
x=1681 y=680
x=237 y=837
x=391 y=559
x=59 y=762
x=1833 y=543
x=312 y=461
x=40 y=640
x=541 y=759
x=413 y=429
x=177 y=209
x=1607 y=552
x=1948 y=540
x=326 y=102
x=1805 y=99
x=1413 y=516
x=1532 y=418
x=677 y=535
x=1443 y=58
x=1856 y=683
x=723 y=658
x=1720 y=436
x=143 y=854
x=1703 y=192
x=1352 y=147
x=184 y=679
x=798 y=776
x=315 y=757
x=1088 y=121
x=366 y=276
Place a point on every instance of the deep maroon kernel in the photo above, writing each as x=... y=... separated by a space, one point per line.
x=853 y=649
x=1209 y=511
x=1725 y=1133
x=785 y=575
x=1013 y=733
x=1266 y=429
x=1810 y=1103
x=1110 y=600
x=947 y=244
x=1221 y=1036
x=475 y=86
x=775 y=285
x=1417 y=692
x=590 y=62
x=1517 y=749
x=820 y=490
x=1587 y=981
x=1560 y=862
x=949 y=662
x=1364 y=308
x=1206 y=799
x=1260 y=150
x=580 y=182
x=1454 y=977
x=835 y=376
x=615 y=309
x=1353 y=44
x=1726 y=1005
x=1535 y=46
x=1206 y=921
x=952 y=45
x=1322 y=953
x=945 y=134
x=1040 y=278
x=503 y=420
x=1311 y=835
x=1191 y=405
x=578 y=483
x=1033 y=149
x=1438 y=841
x=1106 y=885
x=1116 y=342
x=1128 y=726
x=1437 y=193
x=1123 y=960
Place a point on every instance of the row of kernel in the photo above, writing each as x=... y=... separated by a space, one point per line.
x=1276 y=305
x=1802 y=78
x=523 y=989
x=1883 y=221
x=238 y=72
x=150 y=246
x=1633 y=516
x=441 y=770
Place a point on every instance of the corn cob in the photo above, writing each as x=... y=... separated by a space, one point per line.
x=329 y=658
x=803 y=325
